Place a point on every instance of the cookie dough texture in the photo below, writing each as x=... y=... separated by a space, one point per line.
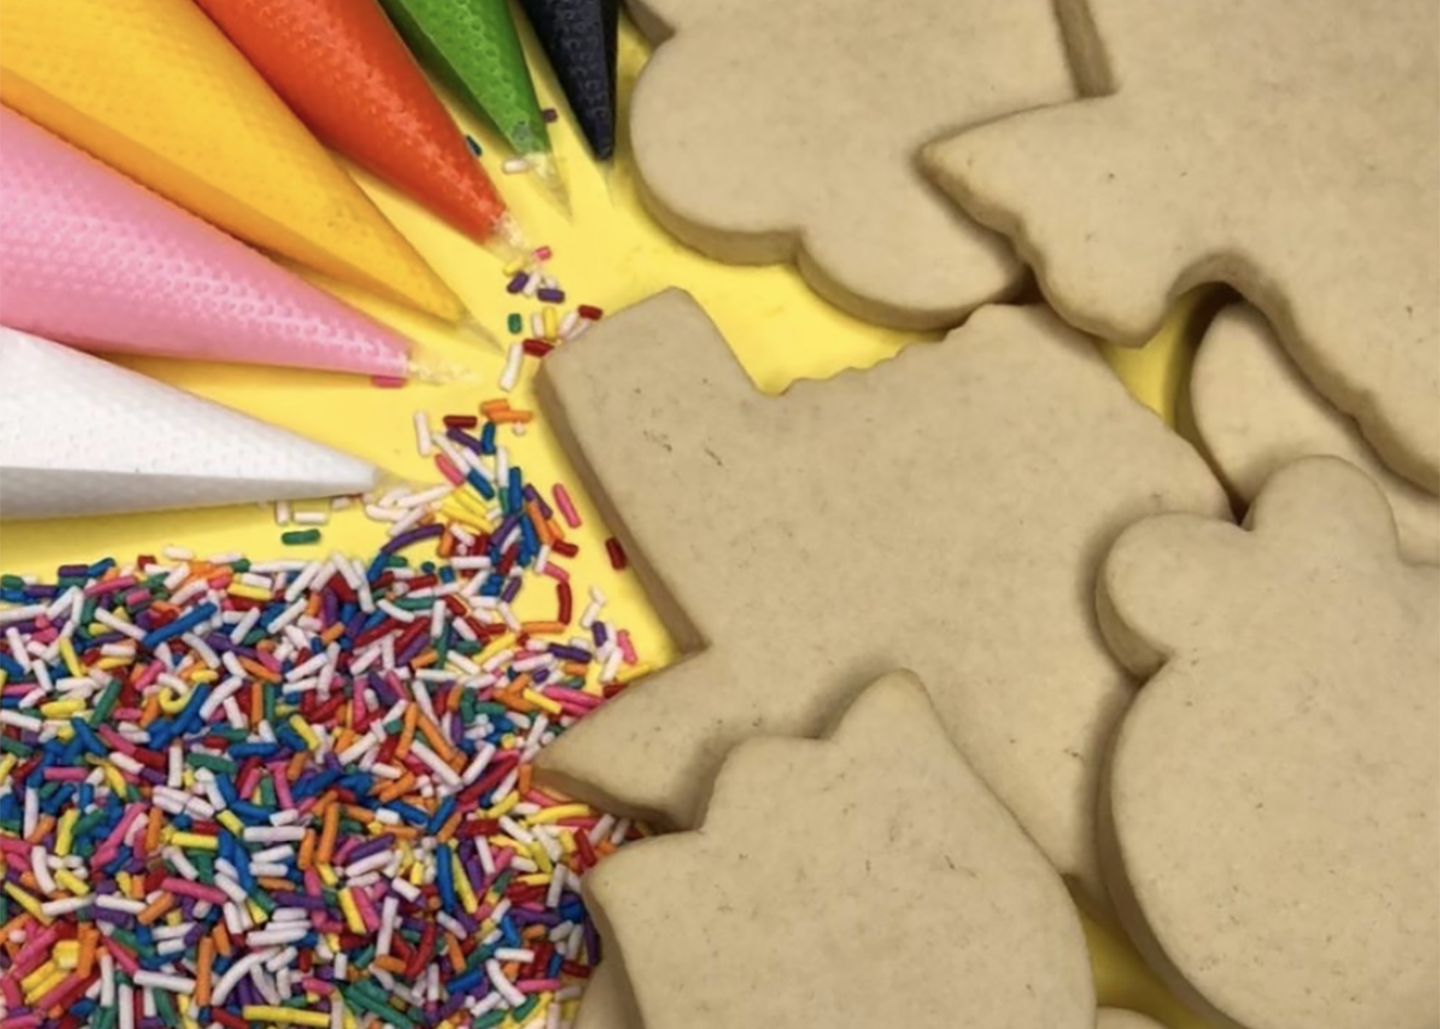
x=768 y=131
x=1256 y=413
x=1288 y=149
x=944 y=511
x=1271 y=833
x=862 y=880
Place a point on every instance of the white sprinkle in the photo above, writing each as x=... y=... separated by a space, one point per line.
x=423 y=444
x=282 y=513
x=164 y=981
x=513 y=361
x=515 y=166
x=311 y=518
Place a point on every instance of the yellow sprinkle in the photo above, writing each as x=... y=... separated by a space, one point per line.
x=64 y=732
x=503 y=808
x=257 y=913
x=306 y=733
x=27 y=902
x=67 y=954
x=533 y=879
x=505 y=841
x=327 y=874
x=567 y=843
x=49 y=984
x=195 y=841
x=106 y=664
x=558 y=813
x=284 y=1016
x=231 y=821
x=203 y=675
x=542 y=858
x=117 y=781
x=172 y=702
x=38 y=976
x=62 y=708
x=351 y=1022
x=72 y=882
x=462 y=886
x=417 y=874
x=541 y=701
x=7 y=765
x=241 y=589
x=352 y=911
x=515 y=267
x=65 y=832
x=67 y=653
x=551 y=322
x=456 y=513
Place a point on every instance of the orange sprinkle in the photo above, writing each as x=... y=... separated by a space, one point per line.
x=522 y=779
x=506 y=417
x=447 y=545
x=542 y=628
x=403 y=832
x=492 y=407
x=451 y=825
x=152 y=831
x=454 y=953
x=557 y=531
x=222 y=939
x=390 y=963
x=151 y=710
x=407 y=733
x=392 y=790
x=260 y=672
x=328 y=830
x=532 y=510
x=438 y=743
x=156 y=909
x=271 y=883
x=569 y=668
x=42 y=829
x=203 y=961
x=306 y=858
x=426 y=659
x=296 y=767
x=333 y=633
x=87 y=937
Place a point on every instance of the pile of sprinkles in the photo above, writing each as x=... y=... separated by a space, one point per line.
x=298 y=792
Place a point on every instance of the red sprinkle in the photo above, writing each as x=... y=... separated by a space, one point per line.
x=387 y=382
x=460 y=421
x=618 y=560
x=590 y=314
x=537 y=347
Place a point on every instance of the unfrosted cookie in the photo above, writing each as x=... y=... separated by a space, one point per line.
x=1257 y=413
x=944 y=511
x=768 y=131
x=868 y=879
x=1272 y=831
x=1287 y=148
x=608 y=1002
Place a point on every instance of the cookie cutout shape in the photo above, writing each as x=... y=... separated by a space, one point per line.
x=945 y=511
x=1271 y=834
x=767 y=132
x=1288 y=149
x=1256 y=413
x=864 y=880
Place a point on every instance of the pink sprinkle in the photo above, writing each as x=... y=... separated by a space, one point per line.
x=543 y=253
x=566 y=506
x=537 y=985
x=99 y=589
x=627 y=648
x=123 y=957
x=185 y=888
x=282 y=785
x=313 y=985
x=448 y=469
x=387 y=382
x=65 y=774
x=556 y=572
x=151 y=673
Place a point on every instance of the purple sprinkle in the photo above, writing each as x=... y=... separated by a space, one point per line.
x=369 y=847
x=512 y=587
x=550 y=115
x=599 y=634
x=550 y=296
x=517 y=283
x=568 y=653
x=414 y=536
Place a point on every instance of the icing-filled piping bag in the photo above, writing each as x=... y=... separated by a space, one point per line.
x=580 y=38
x=91 y=258
x=153 y=88
x=472 y=46
x=80 y=436
x=343 y=69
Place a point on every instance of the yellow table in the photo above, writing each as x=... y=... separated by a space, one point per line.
x=609 y=254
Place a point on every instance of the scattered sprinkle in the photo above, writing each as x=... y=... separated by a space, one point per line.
x=300 y=537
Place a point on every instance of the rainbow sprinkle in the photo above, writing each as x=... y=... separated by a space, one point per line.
x=299 y=792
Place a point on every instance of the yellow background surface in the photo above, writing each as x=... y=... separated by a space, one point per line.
x=610 y=254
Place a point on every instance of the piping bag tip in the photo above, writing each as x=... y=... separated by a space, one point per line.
x=507 y=239
x=548 y=171
x=435 y=372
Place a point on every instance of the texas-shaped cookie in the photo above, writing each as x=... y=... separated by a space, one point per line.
x=768 y=131
x=1120 y=1018
x=1256 y=413
x=608 y=1002
x=1272 y=828
x=867 y=879
x=945 y=511
x=1286 y=148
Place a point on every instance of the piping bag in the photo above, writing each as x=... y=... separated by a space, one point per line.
x=153 y=88
x=91 y=258
x=343 y=69
x=472 y=46
x=80 y=436
x=581 y=37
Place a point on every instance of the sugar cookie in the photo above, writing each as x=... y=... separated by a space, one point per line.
x=768 y=131
x=944 y=511
x=1288 y=149
x=1272 y=828
x=868 y=879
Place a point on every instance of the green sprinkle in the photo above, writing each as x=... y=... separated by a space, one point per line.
x=214 y=762
x=515 y=323
x=105 y=704
x=299 y=537
x=12 y=746
x=14 y=582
